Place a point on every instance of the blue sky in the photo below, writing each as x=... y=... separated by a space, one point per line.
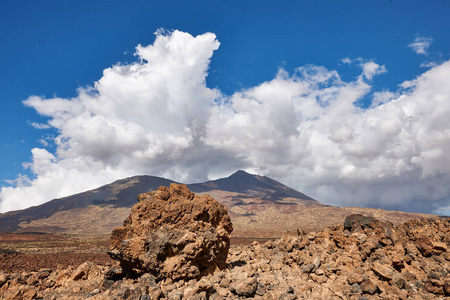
x=50 y=49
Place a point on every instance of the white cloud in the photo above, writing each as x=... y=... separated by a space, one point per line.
x=158 y=117
x=40 y=125
x=369 y=67
x=391 y=155
x=380 y=98
x=430 y=64
x=346 y=60
x=421 y=45
x=142 y=118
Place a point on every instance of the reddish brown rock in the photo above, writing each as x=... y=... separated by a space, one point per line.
x=447 y=288
x=374 y=262
x=424 y=244
x=384 y=272
x=438 y=247
x=368 y=287
x=173 y=233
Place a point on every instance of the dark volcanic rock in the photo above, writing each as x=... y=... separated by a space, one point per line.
x=173 y=233
x=358 y=221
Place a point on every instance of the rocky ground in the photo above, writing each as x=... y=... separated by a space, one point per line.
x=366 y=261
x=31 y=251
x=18 y=262
x=176 y=245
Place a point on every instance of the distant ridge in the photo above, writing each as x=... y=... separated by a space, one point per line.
x=243 y=182
x=258 y=206
x=120 y=193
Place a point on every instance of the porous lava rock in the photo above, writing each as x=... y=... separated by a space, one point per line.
x=380 y=261
x=357 y=222
x=173 y=233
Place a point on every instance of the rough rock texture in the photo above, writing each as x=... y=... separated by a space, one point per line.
x=173 y=233
x=354 y=221
x=372 y=261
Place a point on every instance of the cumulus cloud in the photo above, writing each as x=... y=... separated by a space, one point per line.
x=383 y=97
x=306 y=130
x=157 y=116
x=389 y=155
x=141 y=118
x=421 y=44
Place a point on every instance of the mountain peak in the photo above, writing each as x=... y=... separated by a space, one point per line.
x=246 y=183
x=241 y=173
x=121 y=194
x=258 y=205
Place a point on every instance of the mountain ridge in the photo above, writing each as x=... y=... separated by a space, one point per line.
x=258 y=206
x=240 y=181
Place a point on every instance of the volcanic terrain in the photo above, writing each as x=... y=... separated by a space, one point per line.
x=259 y=207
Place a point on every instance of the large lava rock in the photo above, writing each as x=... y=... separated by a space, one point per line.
x=173 y=233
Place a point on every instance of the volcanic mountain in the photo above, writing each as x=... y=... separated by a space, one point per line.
x=258 y=206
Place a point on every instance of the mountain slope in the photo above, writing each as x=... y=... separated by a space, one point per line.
x=245 y=183
x=258 y=206
x=119 y=194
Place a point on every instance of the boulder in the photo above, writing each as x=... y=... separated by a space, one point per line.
x=358 y=221
x=173 y=233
